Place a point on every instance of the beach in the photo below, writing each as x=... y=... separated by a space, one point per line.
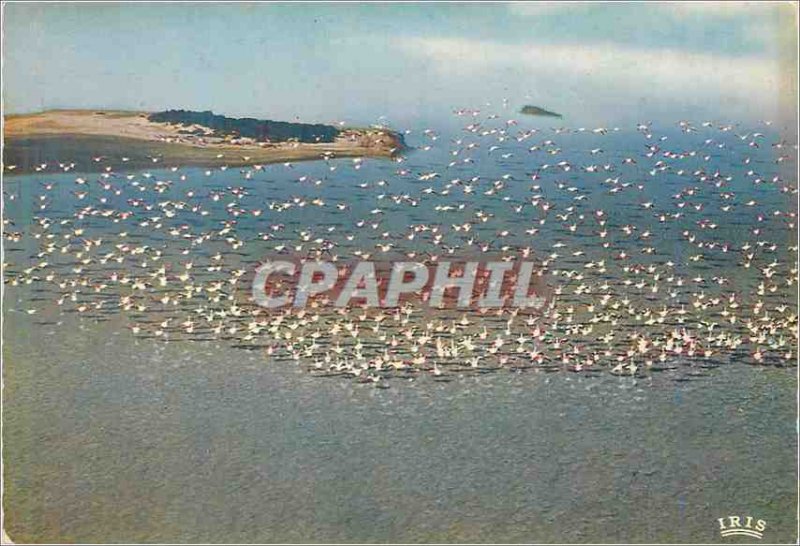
x=60 y=135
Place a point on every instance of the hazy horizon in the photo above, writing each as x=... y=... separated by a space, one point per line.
x=408 y=63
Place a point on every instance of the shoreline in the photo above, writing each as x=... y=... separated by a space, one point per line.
x=127 y=140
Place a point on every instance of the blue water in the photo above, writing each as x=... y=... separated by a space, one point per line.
x=169 y=435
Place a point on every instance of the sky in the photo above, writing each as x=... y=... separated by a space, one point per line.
x=407 y=63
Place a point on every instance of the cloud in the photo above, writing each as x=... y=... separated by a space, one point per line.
x=720 y=9
x=543 y=8
x=690 y=8
x=604 y=75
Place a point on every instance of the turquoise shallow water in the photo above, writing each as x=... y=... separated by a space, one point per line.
x=111 y=436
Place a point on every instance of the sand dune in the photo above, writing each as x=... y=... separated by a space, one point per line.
x=30 y=141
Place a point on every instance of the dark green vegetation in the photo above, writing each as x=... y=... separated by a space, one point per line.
x=257 y=129
x=536 y=111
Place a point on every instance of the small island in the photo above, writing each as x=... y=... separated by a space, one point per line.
x=537 y=111
x=178 y=137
